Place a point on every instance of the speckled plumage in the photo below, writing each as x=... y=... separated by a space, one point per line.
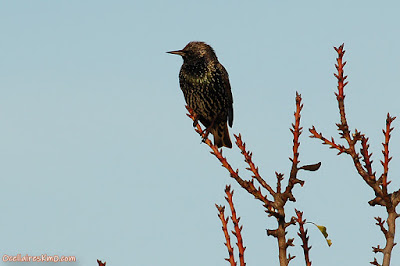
x=206 y=88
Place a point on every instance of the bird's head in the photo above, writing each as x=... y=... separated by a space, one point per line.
x=195 y=51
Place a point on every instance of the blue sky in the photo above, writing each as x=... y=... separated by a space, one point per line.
x=99 y=160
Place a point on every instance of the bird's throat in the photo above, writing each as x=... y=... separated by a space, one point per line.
x=199 y=73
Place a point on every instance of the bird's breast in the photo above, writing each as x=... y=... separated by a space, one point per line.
x=199 y=77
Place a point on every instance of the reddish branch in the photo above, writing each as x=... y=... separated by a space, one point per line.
x=247 y=185
x=238 y=229
x=296 y=131
x=248 y=159
x=304 y=238
x=221 y=215
x=385 y=152
x=276 y=206
x=367 y=157
x=375 y=262
x=382 y=196
x=101 y=263
x=380 y=223
x=331 y=142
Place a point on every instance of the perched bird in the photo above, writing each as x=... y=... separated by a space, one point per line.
x=206 y=88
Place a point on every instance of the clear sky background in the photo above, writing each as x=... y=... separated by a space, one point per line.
x=99 y=161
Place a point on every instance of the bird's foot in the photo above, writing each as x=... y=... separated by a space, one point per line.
x=205 y=134
x=195 y=120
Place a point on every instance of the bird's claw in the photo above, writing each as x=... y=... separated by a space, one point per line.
x=204 y=134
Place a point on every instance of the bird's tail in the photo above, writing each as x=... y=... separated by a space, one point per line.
x=221 y=135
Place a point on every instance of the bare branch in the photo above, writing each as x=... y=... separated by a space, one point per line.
x=303 y=235
x=101 y=263
x=382 y=197
x=221 y=215
x=331 y=142
x=385 y=152
x=238 y=229
x=248 y=159
x=275 y=207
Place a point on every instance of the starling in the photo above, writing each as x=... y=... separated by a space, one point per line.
x=206 y=88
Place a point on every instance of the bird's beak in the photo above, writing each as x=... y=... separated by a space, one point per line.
x=179 y=52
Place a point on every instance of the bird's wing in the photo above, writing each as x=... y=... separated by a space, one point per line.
x=223 y=75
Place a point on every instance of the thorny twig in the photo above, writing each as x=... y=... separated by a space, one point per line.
x=280 y=197
x=221 y=215
x=304 y=238
x=101 y=263
x=379 y=186
x=237 y=229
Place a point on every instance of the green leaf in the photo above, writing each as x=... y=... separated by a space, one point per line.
x=324 y=232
